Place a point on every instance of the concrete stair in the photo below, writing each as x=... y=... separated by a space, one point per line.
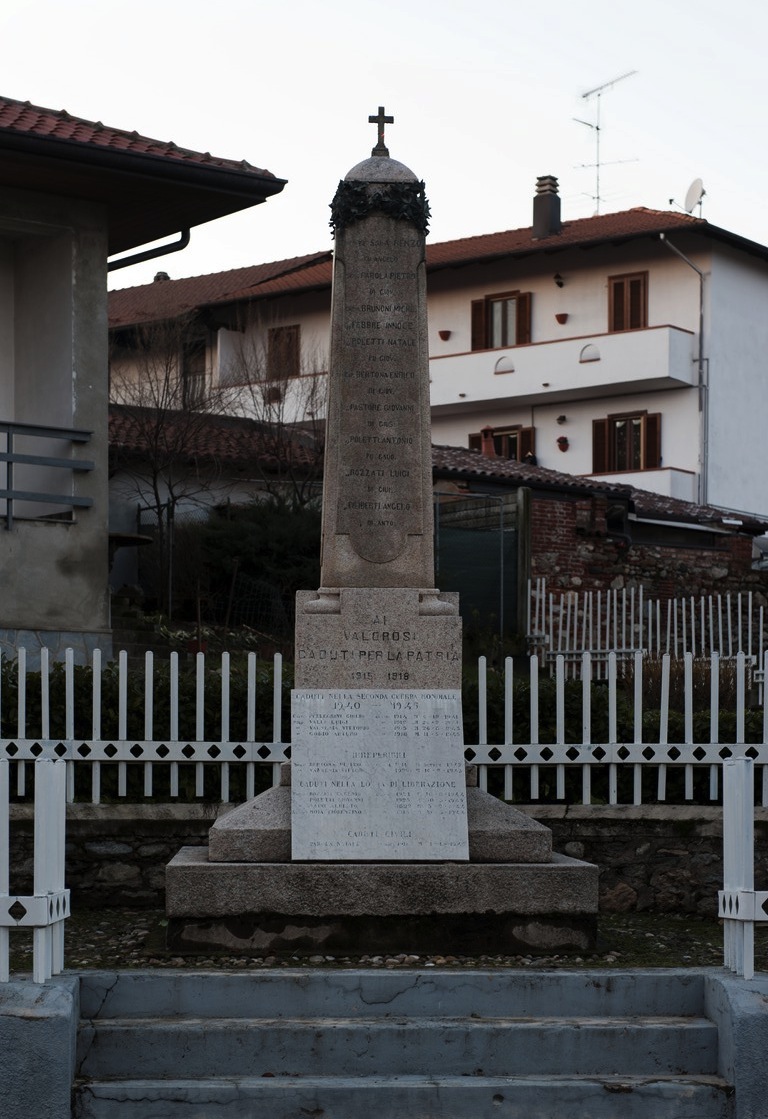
x=422 y=1044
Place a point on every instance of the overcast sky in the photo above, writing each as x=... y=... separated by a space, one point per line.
x=484 y=95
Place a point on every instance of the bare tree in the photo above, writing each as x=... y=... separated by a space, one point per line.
x=177 y=415
x=161 y=445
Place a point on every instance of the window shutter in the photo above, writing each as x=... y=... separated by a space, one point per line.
x=652 y=449
x=599 y=446
x=479 y=329
x=616 y=310
x=637 y=302
x=283 y=352
x=523 y=317
x=526 y=441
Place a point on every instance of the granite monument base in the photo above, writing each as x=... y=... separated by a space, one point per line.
x=243 y=893
x=355 y=908
x=259 y=831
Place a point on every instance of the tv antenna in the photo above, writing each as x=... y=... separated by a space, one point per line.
x=598 y=92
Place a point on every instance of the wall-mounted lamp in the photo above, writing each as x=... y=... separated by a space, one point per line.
x=589 y=352
x=562 y=419
x=562 y=443
x=558 y=279
x=562 y=317
x=444 y=335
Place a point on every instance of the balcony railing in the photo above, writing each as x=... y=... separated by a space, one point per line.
x=660 y=357
x=13 y=458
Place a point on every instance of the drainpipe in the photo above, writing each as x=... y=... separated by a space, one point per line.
x=703 y=486
x=150 y=254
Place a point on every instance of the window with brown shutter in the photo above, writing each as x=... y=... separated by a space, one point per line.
x=628 y=301
x=283 y=352
x=501 y=320
x=626 y=442
x=508 y=442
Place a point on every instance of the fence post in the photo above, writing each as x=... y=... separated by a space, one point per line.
x=46 y=909
x=739 y=905
x=5 y=876
x=50 y=898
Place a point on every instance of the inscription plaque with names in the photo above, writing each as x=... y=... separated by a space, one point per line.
x=378 y=776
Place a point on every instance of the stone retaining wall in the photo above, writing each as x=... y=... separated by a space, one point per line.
x=662 y=857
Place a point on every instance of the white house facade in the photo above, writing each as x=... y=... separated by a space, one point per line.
x=628 y=347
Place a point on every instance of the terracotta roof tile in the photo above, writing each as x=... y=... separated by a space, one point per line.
x=468 y=465
x=585 y=231
x=167 y=298
x=225 y=440
x=241 y=443
x=57 y=124
x=314 y=272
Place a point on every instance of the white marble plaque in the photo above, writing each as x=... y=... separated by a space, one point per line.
x=378 y=775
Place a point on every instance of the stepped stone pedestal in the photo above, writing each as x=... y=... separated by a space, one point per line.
x=243 y=893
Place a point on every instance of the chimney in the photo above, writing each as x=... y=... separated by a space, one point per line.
x=546 y=207
x=487 y=447
x=160 y=276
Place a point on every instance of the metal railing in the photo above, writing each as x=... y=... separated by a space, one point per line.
x=12 y=458
x=544 y=755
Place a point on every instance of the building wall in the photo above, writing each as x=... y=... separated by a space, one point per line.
x=672 y=300
x=571 y=548
x=738 y=378
x=678 y=433
x=53 y=370
x=239 y=361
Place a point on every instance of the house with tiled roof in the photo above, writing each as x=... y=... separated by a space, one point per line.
x=500 y=525
x=73 y=194
x=627 y=346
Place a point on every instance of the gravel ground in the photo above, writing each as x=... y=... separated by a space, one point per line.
x=129 y=938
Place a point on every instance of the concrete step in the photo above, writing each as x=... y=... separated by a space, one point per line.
x=427 y=1044
x=233 y=1047
x=296 y=993
x=375 y=1097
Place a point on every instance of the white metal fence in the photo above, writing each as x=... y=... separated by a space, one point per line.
x=625 y=735
x=626 y=621
x=551 y=739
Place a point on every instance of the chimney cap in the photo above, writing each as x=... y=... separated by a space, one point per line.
x=546 y=184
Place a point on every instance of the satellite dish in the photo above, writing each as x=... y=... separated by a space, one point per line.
x=694 y=195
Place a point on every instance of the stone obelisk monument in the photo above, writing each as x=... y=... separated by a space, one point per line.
x=377 y=707
x=377 y=620
x=377 y=838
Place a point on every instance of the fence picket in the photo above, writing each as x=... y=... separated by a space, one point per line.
x=508 y=725
x=149 y=697
x=482 y=717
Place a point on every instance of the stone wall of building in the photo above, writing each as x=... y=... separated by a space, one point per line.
x=655 y=857
x=574 y=549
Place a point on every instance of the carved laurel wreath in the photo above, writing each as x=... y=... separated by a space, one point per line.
x=355 y=200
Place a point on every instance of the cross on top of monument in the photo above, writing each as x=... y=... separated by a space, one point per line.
x=380 y=119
